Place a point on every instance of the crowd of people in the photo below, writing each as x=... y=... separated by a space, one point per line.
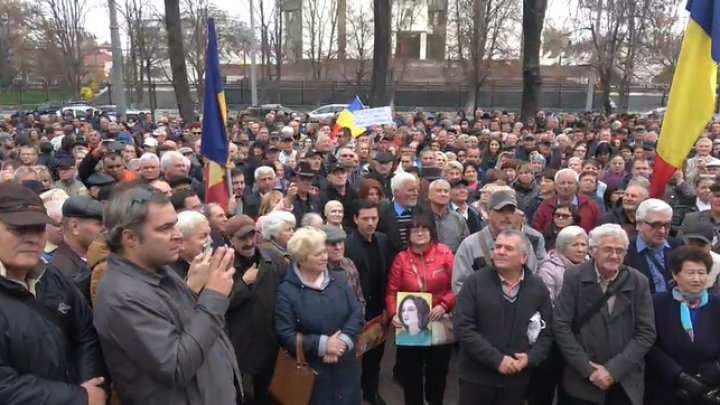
x=556 y=276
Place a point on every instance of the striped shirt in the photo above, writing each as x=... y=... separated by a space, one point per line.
x=404 y=219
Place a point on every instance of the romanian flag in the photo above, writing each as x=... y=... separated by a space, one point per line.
x=692 y=96
x=346 y=119
x=214 y=146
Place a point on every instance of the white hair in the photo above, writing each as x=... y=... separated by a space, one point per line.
x=134 y=164
x=149 y=157
x=603 y=231
x=399 y=179
x=652 y=206
x=274 y=223
x=311 y=219
x=54 y=209
x=263 y=170
x=572 y=172
x=170 y=156
x=189 y=221
x=567 y=235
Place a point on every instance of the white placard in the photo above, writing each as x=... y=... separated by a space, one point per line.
x=373 y=116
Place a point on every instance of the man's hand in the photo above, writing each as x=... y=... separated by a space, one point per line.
x=220 y=273
x=96 y=395
x=601 y=377
x=232 y=206
x=250 y=275
x=292 y=193
x=436 y=313
x=507 y=366
x=521 y=361
x=198 y=273
x=335 y=346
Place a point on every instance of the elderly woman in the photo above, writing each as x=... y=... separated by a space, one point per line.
x=277 y=229
x=334 y=212
x=426 y=266
x=312 y=219
x=682 y=365
x=571 y=248
x=321 y=307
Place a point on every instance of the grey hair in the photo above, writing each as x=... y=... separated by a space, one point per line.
x=25 y=170
x=129 y=210
x=274 y=222
x=332 y=203
x=603 y=231
x=560 y=172
x=652 y=206
x=54 y=209
x=639 y=182
x=518 y=234
x=567 y=235
x=438 y=182
x=134 y=164
x=263 y=170
x=189 y=221
x=170 y=156
x=399 y=179
x=311 y=218
x=149 y=157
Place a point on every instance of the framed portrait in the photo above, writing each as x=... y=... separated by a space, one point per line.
x=413 y=309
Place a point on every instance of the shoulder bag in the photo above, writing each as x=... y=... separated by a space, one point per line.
x=612 y=289
x=293 y=379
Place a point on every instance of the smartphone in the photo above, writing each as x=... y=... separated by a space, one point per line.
x=207 y=248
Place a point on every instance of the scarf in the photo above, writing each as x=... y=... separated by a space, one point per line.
x=688 y=302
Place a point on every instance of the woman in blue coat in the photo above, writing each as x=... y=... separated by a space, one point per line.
x=322 y=307
x=683 y=365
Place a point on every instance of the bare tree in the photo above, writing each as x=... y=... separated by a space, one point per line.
x=406 y=14
x=66 y=23
x=319 y=23
x=360 y=46
x=533 y=20
x=382 y=12
x=144 y=30
x=176 y=52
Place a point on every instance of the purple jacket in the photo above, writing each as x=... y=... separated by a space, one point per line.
x=551 y=271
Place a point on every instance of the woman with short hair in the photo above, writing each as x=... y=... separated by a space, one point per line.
x=682 y=365
x=277 y=228
x=321 y=307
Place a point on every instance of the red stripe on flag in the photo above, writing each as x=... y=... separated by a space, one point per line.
x=662 y=173
x=215 y=193
x=335 y=130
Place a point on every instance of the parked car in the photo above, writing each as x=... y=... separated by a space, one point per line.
x=260 y=111
x=78 y=110
x=326 y=111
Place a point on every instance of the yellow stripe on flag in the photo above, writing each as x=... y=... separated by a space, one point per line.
x=692 y=97
x=223 y=106
x=216 y=174
x=346 y=119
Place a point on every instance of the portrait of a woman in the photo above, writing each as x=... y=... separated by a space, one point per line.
x=414 y=317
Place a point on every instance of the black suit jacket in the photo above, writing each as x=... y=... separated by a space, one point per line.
x=389 y=226
x=374 y=299
x=73 y=267
x=251 y=204
x=639 y=261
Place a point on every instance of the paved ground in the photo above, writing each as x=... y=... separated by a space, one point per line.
x=391 y=391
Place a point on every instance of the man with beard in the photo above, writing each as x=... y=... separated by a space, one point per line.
x=252 y=306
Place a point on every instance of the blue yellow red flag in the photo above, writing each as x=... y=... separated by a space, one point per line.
x=692 y=96
x=346 y=119
x=214 y=146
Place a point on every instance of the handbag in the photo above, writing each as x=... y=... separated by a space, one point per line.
x=293 y=380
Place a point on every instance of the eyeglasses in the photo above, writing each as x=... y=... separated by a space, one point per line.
x=563 y=216
x=658 y=225
x=607 y=250
x=420 y=231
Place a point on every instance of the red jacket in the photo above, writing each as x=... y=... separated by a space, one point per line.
x=434 y=271
x=587 y=208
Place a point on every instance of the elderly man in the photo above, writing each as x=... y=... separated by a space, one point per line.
x=264 y=183
x=146 y=314
x=566 y=186
x=649 y=250
x=338 y=263
x=396 y=215
x=381 y=170
x=451 y=226
x=474 y=252
x=625 y=214
x=705 y=223
x=250 y=315
x=49 y=352
x=493 y=316
x=81 y=225
x=604 y=324
x=195 y=231
x=66 y=178
x=149 y=167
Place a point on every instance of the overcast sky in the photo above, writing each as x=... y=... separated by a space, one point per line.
x=98 y=21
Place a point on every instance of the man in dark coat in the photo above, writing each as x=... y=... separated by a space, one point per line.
x=650 y=249
x=82 y=224
x=369 y=250
x=50 y=353
x=252 y=305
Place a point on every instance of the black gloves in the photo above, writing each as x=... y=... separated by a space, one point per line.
x=690 y=387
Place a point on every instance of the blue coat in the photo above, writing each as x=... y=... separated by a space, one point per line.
x=312 y=312
x=673 y=351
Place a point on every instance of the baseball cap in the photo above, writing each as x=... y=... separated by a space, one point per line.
x=240 y=225
x=501 y=199
x=20 y=206
x=150 y=142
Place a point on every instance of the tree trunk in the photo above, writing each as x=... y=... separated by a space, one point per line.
x=379 y=95
x=605 y=80
x=342 y=31
x=178 y=67
x=533 y=20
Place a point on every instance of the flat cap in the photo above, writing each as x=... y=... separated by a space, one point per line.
x=431 y=173
x=82 y=207
x=99 y=180
x=384 y=157
x=66 y=162
x=333 y=234
x=20 y=206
